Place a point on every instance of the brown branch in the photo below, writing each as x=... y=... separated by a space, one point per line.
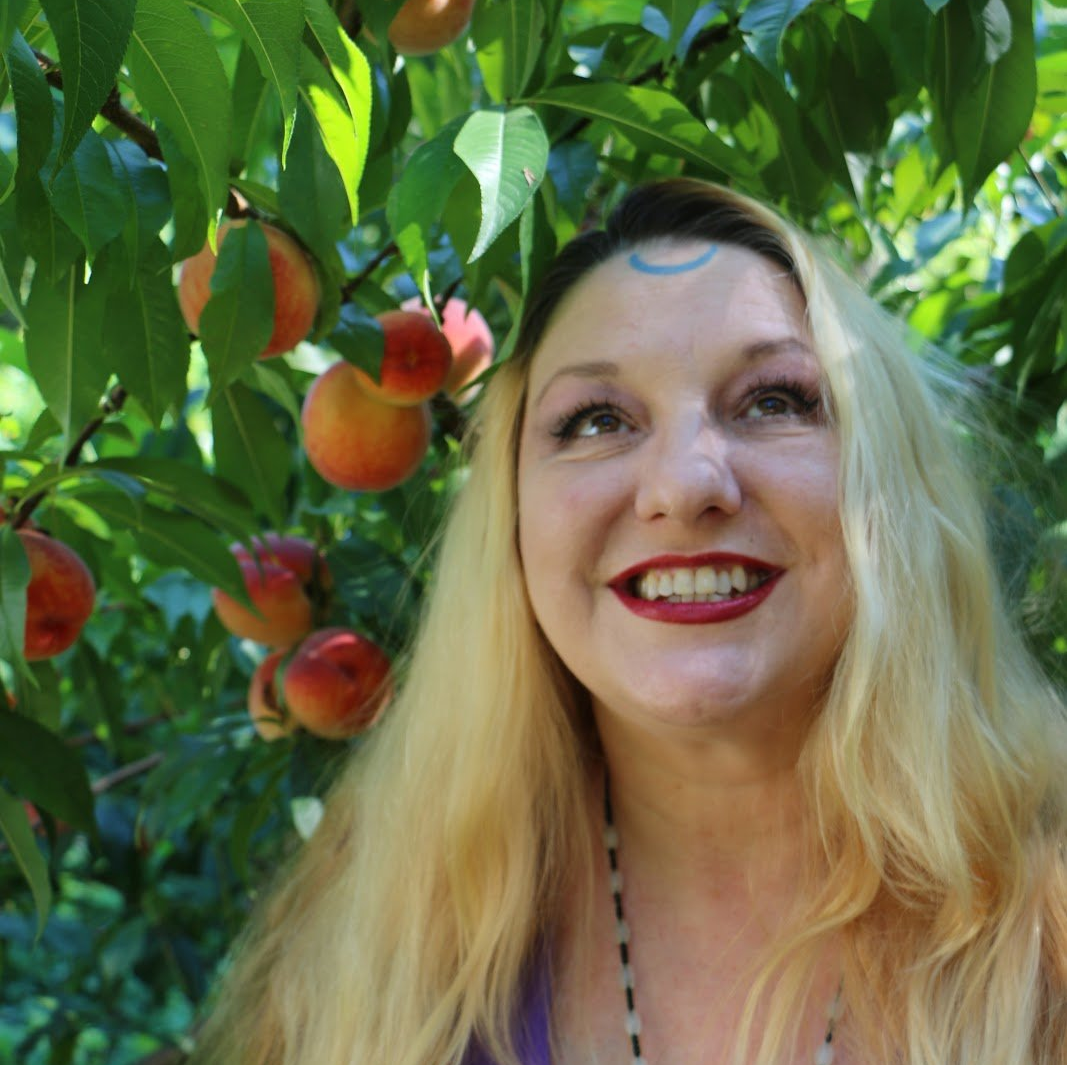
x=119 y=116
x=111 y=405
x=351 y=285
x=1040 y=182
x=126 y=772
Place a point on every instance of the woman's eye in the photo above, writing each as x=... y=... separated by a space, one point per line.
x=596 y=424
x=780 y=403
x=590 y=421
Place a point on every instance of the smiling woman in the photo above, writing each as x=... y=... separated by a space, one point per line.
x=718 y=593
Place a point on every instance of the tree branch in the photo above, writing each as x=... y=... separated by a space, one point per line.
x=350 y=286
x=120 y=117
x=111 y=405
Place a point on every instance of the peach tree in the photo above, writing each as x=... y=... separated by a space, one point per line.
x=212 y=210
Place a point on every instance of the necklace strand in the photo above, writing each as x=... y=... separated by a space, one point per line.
x=823 y=1056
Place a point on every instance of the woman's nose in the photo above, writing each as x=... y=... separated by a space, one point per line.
x=688 y=469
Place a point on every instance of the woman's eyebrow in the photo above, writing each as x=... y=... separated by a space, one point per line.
x=600 y=369
x=763 y=349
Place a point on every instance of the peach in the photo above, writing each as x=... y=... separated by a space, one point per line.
x=337 y=683
x=421 y=27
x=268 y=716
x=296 y=287
x=286 y=577
x=357 y=442
x=471 y=340
x=416 y=359
x=59 y=598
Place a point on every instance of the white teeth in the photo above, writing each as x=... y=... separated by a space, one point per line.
x=701 y=585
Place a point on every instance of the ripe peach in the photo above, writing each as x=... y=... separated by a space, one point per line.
x=59 y=598
x=425 y=26
x=296 y=287
x=285 y=577
x=357 y=442
x=470 y=338
x=268 y=716
x=415 y=360
x=337 y=683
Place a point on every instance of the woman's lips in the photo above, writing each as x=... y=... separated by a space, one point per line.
x=695 y=590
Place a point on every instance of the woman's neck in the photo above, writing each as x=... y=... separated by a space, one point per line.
x=706 y=814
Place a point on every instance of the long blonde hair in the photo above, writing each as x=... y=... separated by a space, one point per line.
x=935 y=772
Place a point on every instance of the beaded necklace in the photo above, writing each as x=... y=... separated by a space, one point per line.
x=823 y=1056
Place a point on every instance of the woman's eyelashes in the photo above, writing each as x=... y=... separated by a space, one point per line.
x=771 y=399
x=782 y=397
x=590 y=419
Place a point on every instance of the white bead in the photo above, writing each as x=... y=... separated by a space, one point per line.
x=611 y=837
x=626 y=976
x=622 y=932
x=825 y=1054
x=640 y=1060
x=616 y=882
x=633 y=1023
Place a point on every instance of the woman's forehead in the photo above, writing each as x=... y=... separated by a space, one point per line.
x=669 y=293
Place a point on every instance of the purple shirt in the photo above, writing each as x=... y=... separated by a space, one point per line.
x=531 y=1025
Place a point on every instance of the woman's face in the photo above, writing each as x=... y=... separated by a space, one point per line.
x=677 y=484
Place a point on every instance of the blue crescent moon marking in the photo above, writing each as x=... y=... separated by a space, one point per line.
x=646 y=267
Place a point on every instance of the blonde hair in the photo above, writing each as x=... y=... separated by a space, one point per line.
x=935 y=771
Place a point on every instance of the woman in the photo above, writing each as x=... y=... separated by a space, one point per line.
x=717 y=745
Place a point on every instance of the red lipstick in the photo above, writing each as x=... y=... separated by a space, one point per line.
x=695 y=613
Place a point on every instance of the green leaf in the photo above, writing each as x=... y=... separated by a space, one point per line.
x=191 y=215
x=15 y=826
x=358 y=339
x=180 y=79
x=652 y=120
x=537 y=242
x=209 y=497
x=63 y=347
x=172 y=539
x=40 y=766
x=507 y=151
x=237 y=320
x=311 y=195
x=144 y=185
x=47 y=238
x=418 y=199
x=351 y=71
x=272 y=31
x=765 y=23
x=14 y=580
x=250 y=451
x=91 y=36
x=10 y=14
x=145 y=337
x=981 y=108
x=336 y=126
x=10 y=275
x=34 y=110
x=255 y=112
x=86 y=196
x=508 y=37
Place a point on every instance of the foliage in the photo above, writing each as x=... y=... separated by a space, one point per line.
x=925 y=141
